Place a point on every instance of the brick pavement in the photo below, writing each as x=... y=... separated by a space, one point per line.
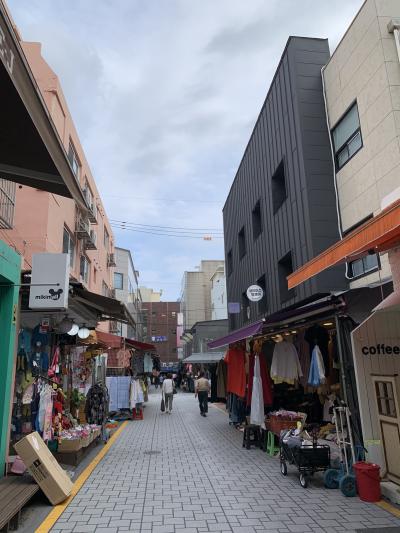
x=184 y=473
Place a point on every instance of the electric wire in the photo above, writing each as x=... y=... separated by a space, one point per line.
x=167 y=234
x=153 y=226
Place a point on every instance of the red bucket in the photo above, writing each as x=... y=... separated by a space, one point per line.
x=368 y=481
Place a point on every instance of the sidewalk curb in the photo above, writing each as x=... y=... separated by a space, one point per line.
x=55 y=514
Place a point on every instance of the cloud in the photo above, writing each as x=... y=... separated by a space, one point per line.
x=165 y=96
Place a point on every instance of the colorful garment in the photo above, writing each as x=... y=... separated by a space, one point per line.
x=235 y=360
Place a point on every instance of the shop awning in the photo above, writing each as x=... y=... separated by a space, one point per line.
x=378 y=234
x=140 y=345
x=109 y=340
x=237 y=335
x=107 y=308
x=31 y=152
x=207 y=357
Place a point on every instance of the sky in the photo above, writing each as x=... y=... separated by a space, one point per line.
x=164 y=95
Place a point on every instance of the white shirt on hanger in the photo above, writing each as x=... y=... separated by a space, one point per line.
x=285 y=362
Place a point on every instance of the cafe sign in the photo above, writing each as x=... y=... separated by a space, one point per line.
x=254 y=293
x=49 y=282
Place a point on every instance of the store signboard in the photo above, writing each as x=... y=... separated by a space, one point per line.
x=50 y=281
x=159 y=338
x=254 y=293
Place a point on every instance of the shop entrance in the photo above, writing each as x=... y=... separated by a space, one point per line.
x=387 y=402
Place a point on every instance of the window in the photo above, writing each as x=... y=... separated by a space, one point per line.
x=84 y=269
x=69 y=246
x=104 y=289
x=73 y=159
x=285 y=267
x=118 y=280
x=262 y=304
x=386 y=399
x=173 y=331
x=278 y=184
x=364 y=266
x=229 y=260
x=242 y=243
x=106 y=239
x=257 y=222
x=173 y=313
x=245 y=307
x=346 y=137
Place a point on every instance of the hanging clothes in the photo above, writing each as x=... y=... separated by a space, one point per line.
x=303 y=350
x=148 y=363
x=265 y=380
x=257 y=398
x=285 y=367
x=317 y=368
x=237 y=409
x=236 y=382
x=97 y=401
x=318 y=335
x=136 y=393
x=221 y=379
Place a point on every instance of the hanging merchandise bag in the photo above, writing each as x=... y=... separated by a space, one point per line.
x=54 y=368
x=162 y=407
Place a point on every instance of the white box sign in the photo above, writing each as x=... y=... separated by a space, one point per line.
x=50 y=281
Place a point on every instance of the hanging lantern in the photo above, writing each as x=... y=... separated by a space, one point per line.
x=83 y=332
x=74 y=330
x=65 y=325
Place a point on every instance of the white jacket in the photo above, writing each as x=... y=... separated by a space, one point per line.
x=168 y=386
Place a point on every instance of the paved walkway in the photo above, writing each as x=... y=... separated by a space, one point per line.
x=182 y=472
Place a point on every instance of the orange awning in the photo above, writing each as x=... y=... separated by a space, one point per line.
x=379 y=234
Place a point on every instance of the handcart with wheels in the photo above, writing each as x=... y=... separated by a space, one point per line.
x=343 y=478
x=309 y=458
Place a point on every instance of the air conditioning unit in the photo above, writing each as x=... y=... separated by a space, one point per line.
x=111 y=260
x=91 y=241
x=82 y=228
x=113 y=293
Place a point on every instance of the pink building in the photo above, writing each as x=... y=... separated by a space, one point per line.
x=46 y=222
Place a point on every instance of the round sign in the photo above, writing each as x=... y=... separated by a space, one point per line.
x=254 y=293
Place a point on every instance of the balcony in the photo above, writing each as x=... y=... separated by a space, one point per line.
x=91 y=241
x=82 y=228
x=7 y=203
x=111 y=260
x=92 y=209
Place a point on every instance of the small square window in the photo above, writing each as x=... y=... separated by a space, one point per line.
x=118 y=280
x=285 y=268
x=242 y=243
x=278 y=184
x=229 y=260
x=257 y=221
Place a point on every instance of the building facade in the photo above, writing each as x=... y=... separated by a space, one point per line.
x=150 y=295
x=46 y=222
x=219 y=309
x=281 y=209
x=196 y=293
x=126 y=290
x=161 y=323
x=362 y=88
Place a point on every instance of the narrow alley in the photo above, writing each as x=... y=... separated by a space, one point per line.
x=182 y=472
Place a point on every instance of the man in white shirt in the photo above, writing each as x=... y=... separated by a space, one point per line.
x=168 y=392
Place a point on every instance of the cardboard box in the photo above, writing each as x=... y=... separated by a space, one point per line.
x=48 y=474
x=69 y=445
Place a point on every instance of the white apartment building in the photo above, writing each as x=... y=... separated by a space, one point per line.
x=218 y=294
x=150 y=295
x=126 y=288
x=196 y=293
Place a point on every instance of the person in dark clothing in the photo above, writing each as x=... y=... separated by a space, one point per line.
x=201 y=390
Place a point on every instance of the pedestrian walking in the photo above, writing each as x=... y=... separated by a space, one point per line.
x=168 y=392
x=201 y=390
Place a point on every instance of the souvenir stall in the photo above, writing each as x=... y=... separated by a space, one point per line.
x=54 y=378
x=207 y=362
x=301 y=364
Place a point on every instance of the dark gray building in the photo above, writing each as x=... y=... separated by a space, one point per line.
x=281 y=209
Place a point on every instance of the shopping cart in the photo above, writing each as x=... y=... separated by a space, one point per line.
x=309 y=458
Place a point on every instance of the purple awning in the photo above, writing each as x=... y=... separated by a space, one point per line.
x=238 y=335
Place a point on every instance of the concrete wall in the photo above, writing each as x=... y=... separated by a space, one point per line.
x=218 y=296
x=129 y=292
x=365 y=68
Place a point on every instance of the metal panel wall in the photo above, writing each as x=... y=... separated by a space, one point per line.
x=291 y=128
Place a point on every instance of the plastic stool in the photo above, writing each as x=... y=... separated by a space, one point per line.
x=271 y=448
x=251 y=436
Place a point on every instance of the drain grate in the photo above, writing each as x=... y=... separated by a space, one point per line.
x=152 y=452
